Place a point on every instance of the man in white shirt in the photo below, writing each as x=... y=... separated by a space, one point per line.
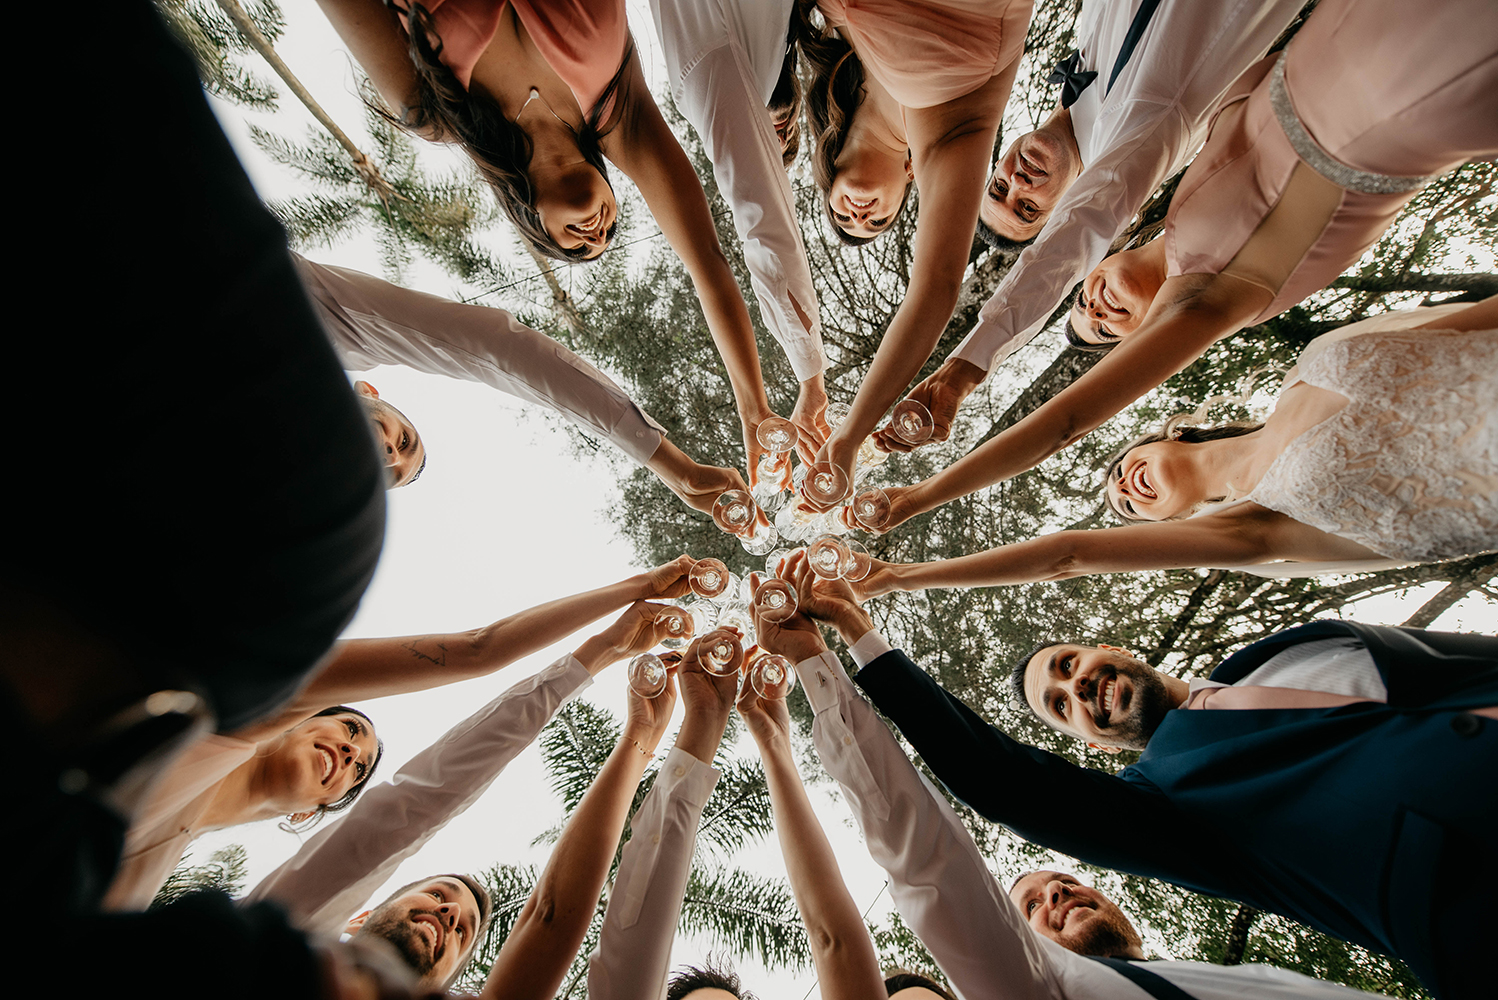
x=373 y=322
x=1136 y=102
x=725 y=58
x=941 y=884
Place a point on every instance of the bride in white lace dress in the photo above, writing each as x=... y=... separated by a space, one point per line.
x=1382 y=450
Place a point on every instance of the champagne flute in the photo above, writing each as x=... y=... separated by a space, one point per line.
x=737 y=615
x=869 y=456
x=871 y=508
x=772 y=563
x=825 y=484
x=837 y=413
x=679 y=626
x=911 y=422
x=828 y=556
x=734 y=512
x=708 y=578
x=647 y=675
x=774 y=476
x=777 y=435
x=775 y=600
x=792 y=523
x=721 y=652
x=772 y=676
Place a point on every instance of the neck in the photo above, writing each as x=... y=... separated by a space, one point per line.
x=243 y=796
x=879 y=119
x=1059 y=125
x=1178 y=689
x=1233 y=466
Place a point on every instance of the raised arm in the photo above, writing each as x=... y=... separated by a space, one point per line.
x=639 y=927
x=841 y=951
x=951 y=145
x=645 y=148
x=374 y=35
x=1245 y=535
x=360 y=669
x=550 y=929
x=1190 y=313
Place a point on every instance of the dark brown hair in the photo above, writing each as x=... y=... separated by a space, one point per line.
x=498 y=147
x=786 y=98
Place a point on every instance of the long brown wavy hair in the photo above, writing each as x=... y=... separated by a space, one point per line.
x=500 y=149
x=835 y=91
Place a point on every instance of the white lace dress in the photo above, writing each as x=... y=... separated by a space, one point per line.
x=1409 y=467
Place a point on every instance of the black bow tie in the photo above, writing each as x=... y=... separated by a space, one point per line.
x=1073 y=80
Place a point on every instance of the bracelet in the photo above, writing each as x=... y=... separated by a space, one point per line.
x=638 y=747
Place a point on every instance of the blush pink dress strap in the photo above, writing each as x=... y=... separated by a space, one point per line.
x=928 y=52
x=583 y=41
x=1382 y=87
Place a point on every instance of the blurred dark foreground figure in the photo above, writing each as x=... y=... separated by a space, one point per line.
x=201 y=510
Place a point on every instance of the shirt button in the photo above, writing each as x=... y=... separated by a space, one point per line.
x=847 y=741
x=1466 y=725
x=679 y=770
x=655 y=838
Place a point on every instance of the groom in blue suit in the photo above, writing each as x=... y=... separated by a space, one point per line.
x=1341 y=774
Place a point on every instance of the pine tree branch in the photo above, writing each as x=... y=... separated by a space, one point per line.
x=367 y=170
x=1479 y=573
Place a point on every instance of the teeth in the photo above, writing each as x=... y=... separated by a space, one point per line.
x=1108 y=298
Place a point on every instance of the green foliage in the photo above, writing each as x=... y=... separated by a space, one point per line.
x=216 y=46
x=226 y=871
x=899 y=948
x=746 y=915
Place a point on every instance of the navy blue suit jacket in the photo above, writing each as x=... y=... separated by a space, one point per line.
x=1340 y=818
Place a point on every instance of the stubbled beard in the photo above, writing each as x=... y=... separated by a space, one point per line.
x=399 y=929
x=1147 y=708
x=1107 y=934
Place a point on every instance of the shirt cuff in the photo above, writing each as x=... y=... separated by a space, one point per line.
x=696 y=779
x=869 y=648
x=821 y=678
x=570 y=674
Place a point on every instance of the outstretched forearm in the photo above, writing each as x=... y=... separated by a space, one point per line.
x=551 y=927
x=842 y=952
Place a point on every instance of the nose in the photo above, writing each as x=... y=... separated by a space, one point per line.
x=348 y=752
x=448 y=914
x=1056 y=891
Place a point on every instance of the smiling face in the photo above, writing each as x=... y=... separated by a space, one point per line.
x=1157 y=482
x=1075 y=916
x=1026 y=183
x=1099 y=694
x=1115 y=297
x=433 y=924
x=576 y=206
x=400 y=446
x=868 y=191
x=316 y=763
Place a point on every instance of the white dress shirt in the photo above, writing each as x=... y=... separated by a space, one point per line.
x=639 y=927
x=1131 y=139
x=1341 y=666
x=372 y=322
x=332 y=876
x=943 y=888
x=724 y=57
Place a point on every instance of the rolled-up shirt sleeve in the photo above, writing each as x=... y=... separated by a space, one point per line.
x=714 y=86
x=639 y=926
x=333 y=875
x=373 y=322
x=939 y=881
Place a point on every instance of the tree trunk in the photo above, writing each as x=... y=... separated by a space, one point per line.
x=1479 y=573
x=561 y=302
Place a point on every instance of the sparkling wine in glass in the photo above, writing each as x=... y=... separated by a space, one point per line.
x=772 y=676
x=772 y=562
x=775 y=600
x=708 y=578
x=792 y=524
x=777 y=435
x=679 y=624
x=836 y=414
x=734 y=512
x=647 y=675
x=871 y=508
x=825 y=484
x=911 y=422
x=721 y=652
x=828 y=555
x=869 y=456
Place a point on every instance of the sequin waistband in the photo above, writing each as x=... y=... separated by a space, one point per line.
x=1319 y=159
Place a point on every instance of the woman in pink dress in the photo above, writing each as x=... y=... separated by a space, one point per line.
x=539 y=94
x=902 y=92
x=1310 y=158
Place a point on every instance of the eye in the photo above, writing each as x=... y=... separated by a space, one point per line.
x=879 y=223
x=353 y=727
x=1028 y=211
x=360 y=770
x=840 y=217
x=1030 y=907
x=1060 y=707
x=405 y=440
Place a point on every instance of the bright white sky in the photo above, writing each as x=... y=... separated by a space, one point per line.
x=502 y=519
